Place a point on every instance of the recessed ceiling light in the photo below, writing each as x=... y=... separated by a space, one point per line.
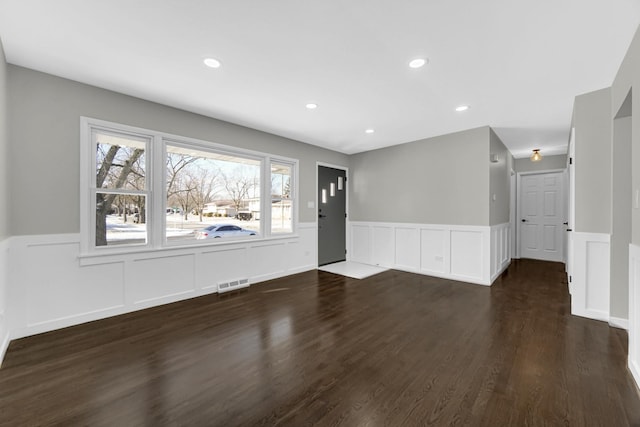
x=369 y=131
x=417 y=63
x=462 y=108
x=311 y=106
x=212 y=63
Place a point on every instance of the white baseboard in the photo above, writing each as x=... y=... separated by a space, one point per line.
x=4 y=345
x=503 y=267
x=619 y=323
x=635 y=373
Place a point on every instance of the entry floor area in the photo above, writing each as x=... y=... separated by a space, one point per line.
x=355 y=270
x=322 y=349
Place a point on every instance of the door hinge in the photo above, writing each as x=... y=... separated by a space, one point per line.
x=345 y=251
x=570 y=279
x=570 y=160
x=345 y=214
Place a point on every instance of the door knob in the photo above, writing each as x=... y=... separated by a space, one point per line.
x=565 y=223
x=321 y=216
x=523 y=220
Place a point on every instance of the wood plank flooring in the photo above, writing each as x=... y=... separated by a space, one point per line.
x=395 y=349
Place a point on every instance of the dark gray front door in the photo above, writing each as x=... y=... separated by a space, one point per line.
x=332 y=210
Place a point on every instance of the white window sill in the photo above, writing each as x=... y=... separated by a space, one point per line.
x=116 y=255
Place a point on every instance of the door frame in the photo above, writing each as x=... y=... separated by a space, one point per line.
x=519 y=176
x=571 y=205
x=513 y=214
x=347 y=240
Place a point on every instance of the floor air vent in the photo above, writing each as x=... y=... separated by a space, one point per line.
x=233 y=285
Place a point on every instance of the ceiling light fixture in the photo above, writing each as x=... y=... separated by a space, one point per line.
x=212 y=63
x=536 y=156
x=417 y=63
x=369 y=131
x=311 y=106
x=462 y=108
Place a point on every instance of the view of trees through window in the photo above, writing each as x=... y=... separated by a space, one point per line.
x=206 y=192
x=121 y=189
x=205 y=189
x=281 y=200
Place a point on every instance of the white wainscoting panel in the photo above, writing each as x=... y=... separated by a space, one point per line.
x=49 y=286
x=382 y=246
x=268 y=261
x=467 y=254
x=434 y=250
x=456 y=252
x=634 y=313
x=500 y=250
x=590 y=278
x=360 y=244
x=151 y=281
x=221 y=265
x=407 y=243
x=4 y=283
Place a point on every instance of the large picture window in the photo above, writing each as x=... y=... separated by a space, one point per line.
x=207 y=192
x=146 y=189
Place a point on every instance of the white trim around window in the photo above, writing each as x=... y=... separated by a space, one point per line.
x=143 y=217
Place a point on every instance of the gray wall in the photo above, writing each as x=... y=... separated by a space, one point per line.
x=5 y=231
x=441 y=180
x=628 y=77
x=626 y=181
x=620 y=218
x=4 y=151
x=44 y=112
x=592 y=121
x=547 y=163
x=499 y=180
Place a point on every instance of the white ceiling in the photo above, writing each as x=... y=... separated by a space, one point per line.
x=517 y=63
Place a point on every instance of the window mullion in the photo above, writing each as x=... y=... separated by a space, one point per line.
x=265 y=202
x=157 y=220
x=294 y=197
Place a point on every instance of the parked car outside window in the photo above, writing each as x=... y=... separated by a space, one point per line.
x=223 y=230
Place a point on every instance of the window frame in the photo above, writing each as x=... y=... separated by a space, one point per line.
x=156 y=191
x=293 y=196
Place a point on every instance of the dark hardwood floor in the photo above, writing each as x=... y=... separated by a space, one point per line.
x=396 y=349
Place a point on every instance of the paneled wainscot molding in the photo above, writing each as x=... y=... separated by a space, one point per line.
x=634 y=312
x=475 y=254
x=4 y=283
x=589 y=286
x=50 y=286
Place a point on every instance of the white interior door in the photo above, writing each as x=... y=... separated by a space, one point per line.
x=541 y=216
